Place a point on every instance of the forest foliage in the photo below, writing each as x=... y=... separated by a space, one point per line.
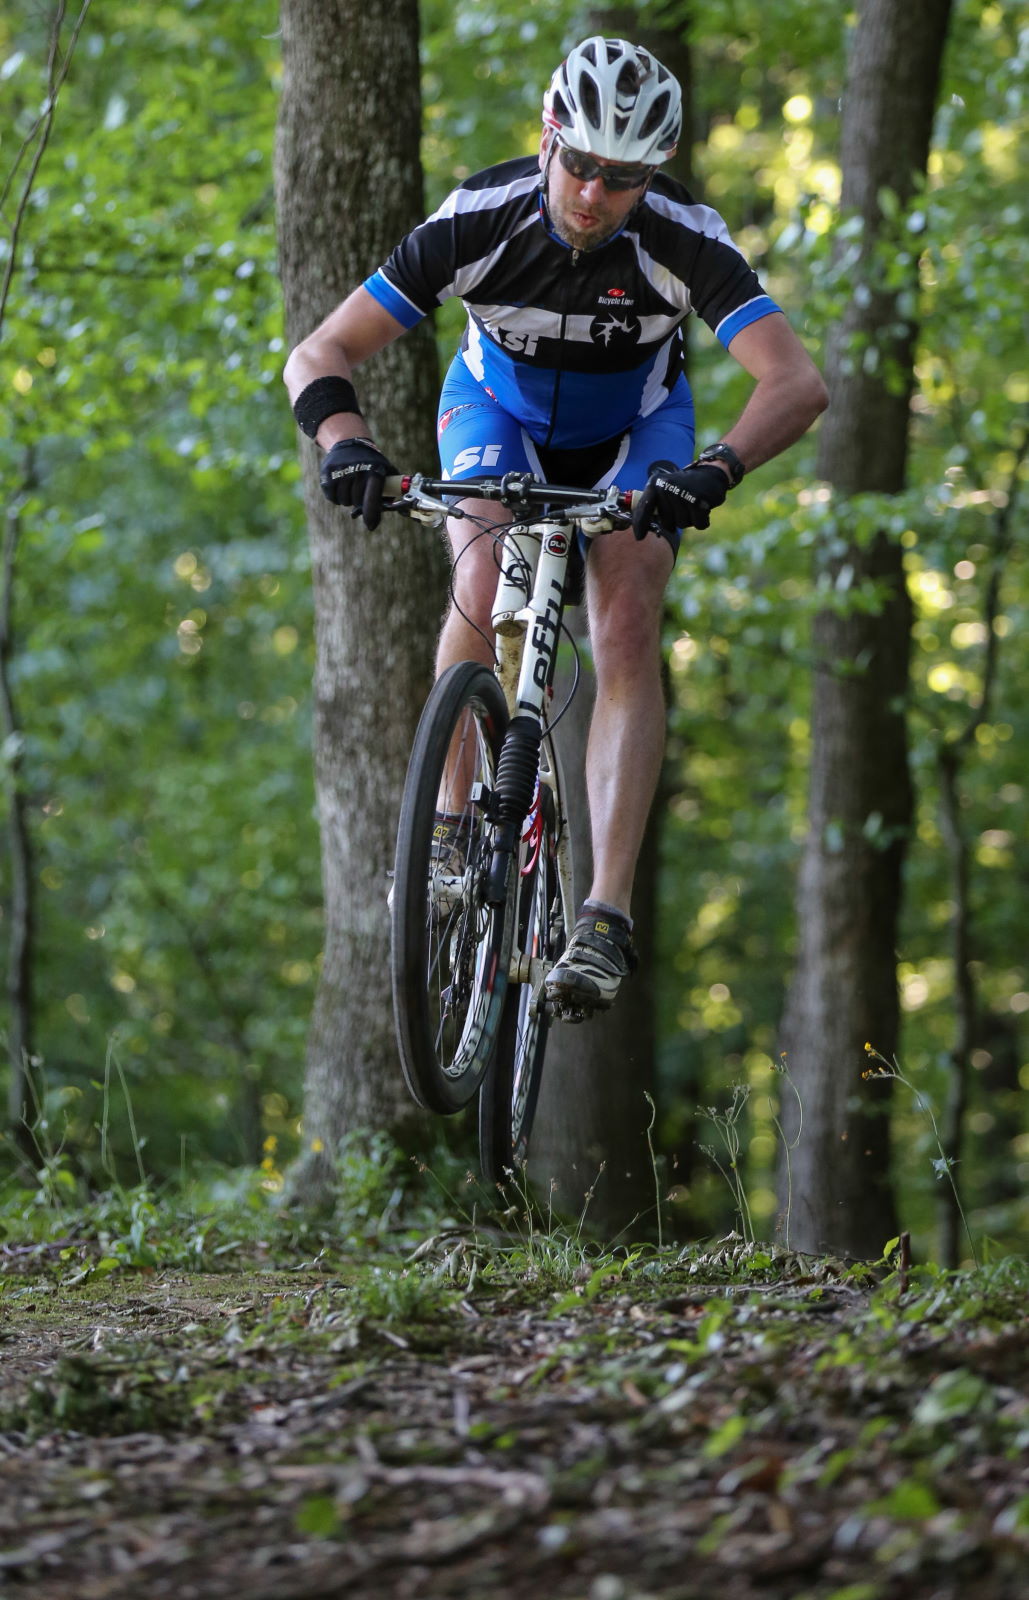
x=162 y=643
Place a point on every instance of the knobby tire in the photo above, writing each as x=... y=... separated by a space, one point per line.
x=450 y=952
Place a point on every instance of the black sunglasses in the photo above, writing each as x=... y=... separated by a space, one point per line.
x=585 y=167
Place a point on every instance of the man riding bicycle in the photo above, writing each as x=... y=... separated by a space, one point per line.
x=577 y=269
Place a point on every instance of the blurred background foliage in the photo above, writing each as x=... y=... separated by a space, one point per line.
x=162 y=645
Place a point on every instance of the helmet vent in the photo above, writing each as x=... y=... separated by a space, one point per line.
x=589 y=99
x=656 y=115
x=627 y=87
x=560 y=110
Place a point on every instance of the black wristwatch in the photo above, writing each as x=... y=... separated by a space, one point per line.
x=725 y=452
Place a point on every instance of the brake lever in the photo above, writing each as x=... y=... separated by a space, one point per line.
x=610 y=514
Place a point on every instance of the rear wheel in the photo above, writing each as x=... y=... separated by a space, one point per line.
x=510 y=1090
x=450 y=951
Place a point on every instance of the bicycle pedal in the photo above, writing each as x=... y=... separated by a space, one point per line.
x=568 y=1013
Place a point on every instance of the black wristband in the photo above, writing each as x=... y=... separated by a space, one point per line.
x=324 y=398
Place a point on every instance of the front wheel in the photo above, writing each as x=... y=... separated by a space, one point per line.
x=450 y=951
x=507 y=1099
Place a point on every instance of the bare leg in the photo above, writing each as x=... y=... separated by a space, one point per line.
x=467 y=632
x=626 y=584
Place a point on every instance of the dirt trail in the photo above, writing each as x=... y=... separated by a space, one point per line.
x=283 y=1435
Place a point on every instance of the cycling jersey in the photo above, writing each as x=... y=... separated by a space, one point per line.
x=574 y=344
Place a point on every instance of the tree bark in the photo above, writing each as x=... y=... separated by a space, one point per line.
x=844 y=991
x=665 y=32
x=24 y=1090
x=951 y=755
x=589 y=1153
x=23 y=1095
x=349 y=185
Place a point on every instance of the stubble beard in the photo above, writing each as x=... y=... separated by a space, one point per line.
x=570 y=234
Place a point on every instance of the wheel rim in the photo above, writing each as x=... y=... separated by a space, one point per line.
x=461 y=968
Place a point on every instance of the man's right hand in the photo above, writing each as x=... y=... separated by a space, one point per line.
x=352 y=475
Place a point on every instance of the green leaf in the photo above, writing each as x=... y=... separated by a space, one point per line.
x=725 y=1437
x=953 y=1395
x=911 y=1500
x=318 y=1517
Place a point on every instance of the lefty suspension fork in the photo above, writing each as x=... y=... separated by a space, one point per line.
x=517 y=772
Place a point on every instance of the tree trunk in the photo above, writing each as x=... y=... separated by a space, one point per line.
x=665 y=31
x=844 y=991
x=589 y=1145
x=951 y=755
x=349 y=185
x=590 y=1149
x=24 y=1089
x=23 y=1096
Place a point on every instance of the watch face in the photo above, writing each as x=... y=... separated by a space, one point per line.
x=726 y=453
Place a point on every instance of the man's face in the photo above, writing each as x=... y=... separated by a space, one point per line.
x=584 y=213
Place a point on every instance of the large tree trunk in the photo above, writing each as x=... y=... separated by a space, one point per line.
x=348 y=183
x=590 y=1149
x=844 y=992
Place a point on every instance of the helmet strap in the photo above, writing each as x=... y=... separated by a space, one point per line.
x=545 y=174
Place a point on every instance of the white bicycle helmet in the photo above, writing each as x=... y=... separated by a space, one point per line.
x=617 y=101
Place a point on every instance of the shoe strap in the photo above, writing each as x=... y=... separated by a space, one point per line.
x=598 y=930
x=448 y=829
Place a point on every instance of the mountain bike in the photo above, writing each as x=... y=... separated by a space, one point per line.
x=482 y=892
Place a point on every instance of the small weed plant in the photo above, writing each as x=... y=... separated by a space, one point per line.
x=943 y=1165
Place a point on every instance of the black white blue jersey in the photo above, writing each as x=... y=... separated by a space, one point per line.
x=575 y=344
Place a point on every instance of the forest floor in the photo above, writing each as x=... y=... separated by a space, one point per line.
x=458 y=1419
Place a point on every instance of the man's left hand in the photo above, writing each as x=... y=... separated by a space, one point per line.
x=682 y=497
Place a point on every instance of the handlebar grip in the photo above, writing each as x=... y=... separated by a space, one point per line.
x=394 y=486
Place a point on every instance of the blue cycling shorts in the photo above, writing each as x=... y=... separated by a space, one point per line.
x=477 y=438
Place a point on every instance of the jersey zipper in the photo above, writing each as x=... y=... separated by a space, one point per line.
x=556 y=393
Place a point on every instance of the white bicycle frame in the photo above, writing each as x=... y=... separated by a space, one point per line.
x=527 y=611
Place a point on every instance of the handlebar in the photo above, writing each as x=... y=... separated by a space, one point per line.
x=519 y=492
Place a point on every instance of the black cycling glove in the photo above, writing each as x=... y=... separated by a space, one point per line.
x=679 y=497
x=352 y=475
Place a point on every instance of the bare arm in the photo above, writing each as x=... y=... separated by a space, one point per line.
x=357 y=329
x=788 y=394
